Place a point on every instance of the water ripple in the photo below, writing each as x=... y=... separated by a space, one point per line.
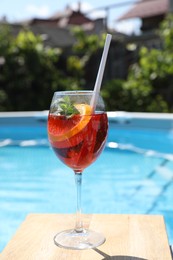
x=32 y=142
x=132 y=148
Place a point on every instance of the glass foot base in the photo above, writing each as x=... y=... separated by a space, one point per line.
x=79 y=240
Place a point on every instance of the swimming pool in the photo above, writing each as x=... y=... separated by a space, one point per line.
x=133 y=175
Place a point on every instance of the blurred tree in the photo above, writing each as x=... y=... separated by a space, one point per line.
x=116 y=97
x=31 y=72
x=149 y=86
x=83 y=62
x=28 y=72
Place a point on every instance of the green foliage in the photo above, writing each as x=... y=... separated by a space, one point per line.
x=166 y=32
x=87 y=44
x=64 y=107
x=115 y=96
x=31 y=72
x=75 y=66
x=28 y=72
x=155 y=71
x=5 y=39
x=149 y=86
x=79 y=64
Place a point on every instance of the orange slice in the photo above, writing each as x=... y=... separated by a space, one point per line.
x=84 y=110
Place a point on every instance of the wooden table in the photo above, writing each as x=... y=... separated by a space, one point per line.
x=128 y=237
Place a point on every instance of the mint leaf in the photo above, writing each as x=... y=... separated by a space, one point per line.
x=64 y=107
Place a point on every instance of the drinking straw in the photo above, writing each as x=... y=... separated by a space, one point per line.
x=100 y=72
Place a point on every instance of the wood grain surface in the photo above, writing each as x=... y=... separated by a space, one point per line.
x=128 y=237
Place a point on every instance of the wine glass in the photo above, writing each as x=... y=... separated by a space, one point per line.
x=77 y=135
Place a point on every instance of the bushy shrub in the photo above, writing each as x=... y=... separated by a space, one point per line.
x=29 y=74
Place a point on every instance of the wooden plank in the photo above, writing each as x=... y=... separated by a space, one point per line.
x=128 y=237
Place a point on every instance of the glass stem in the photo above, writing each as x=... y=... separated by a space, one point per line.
x=79 y=223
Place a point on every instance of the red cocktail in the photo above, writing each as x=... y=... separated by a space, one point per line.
x=77 y=135
x=79 y=149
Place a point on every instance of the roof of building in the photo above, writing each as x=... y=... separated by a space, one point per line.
x=56 y=30
x=62 y=19
x=69 y=16
x=147 y=8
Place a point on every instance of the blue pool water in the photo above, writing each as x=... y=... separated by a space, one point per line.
x=134 y=174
